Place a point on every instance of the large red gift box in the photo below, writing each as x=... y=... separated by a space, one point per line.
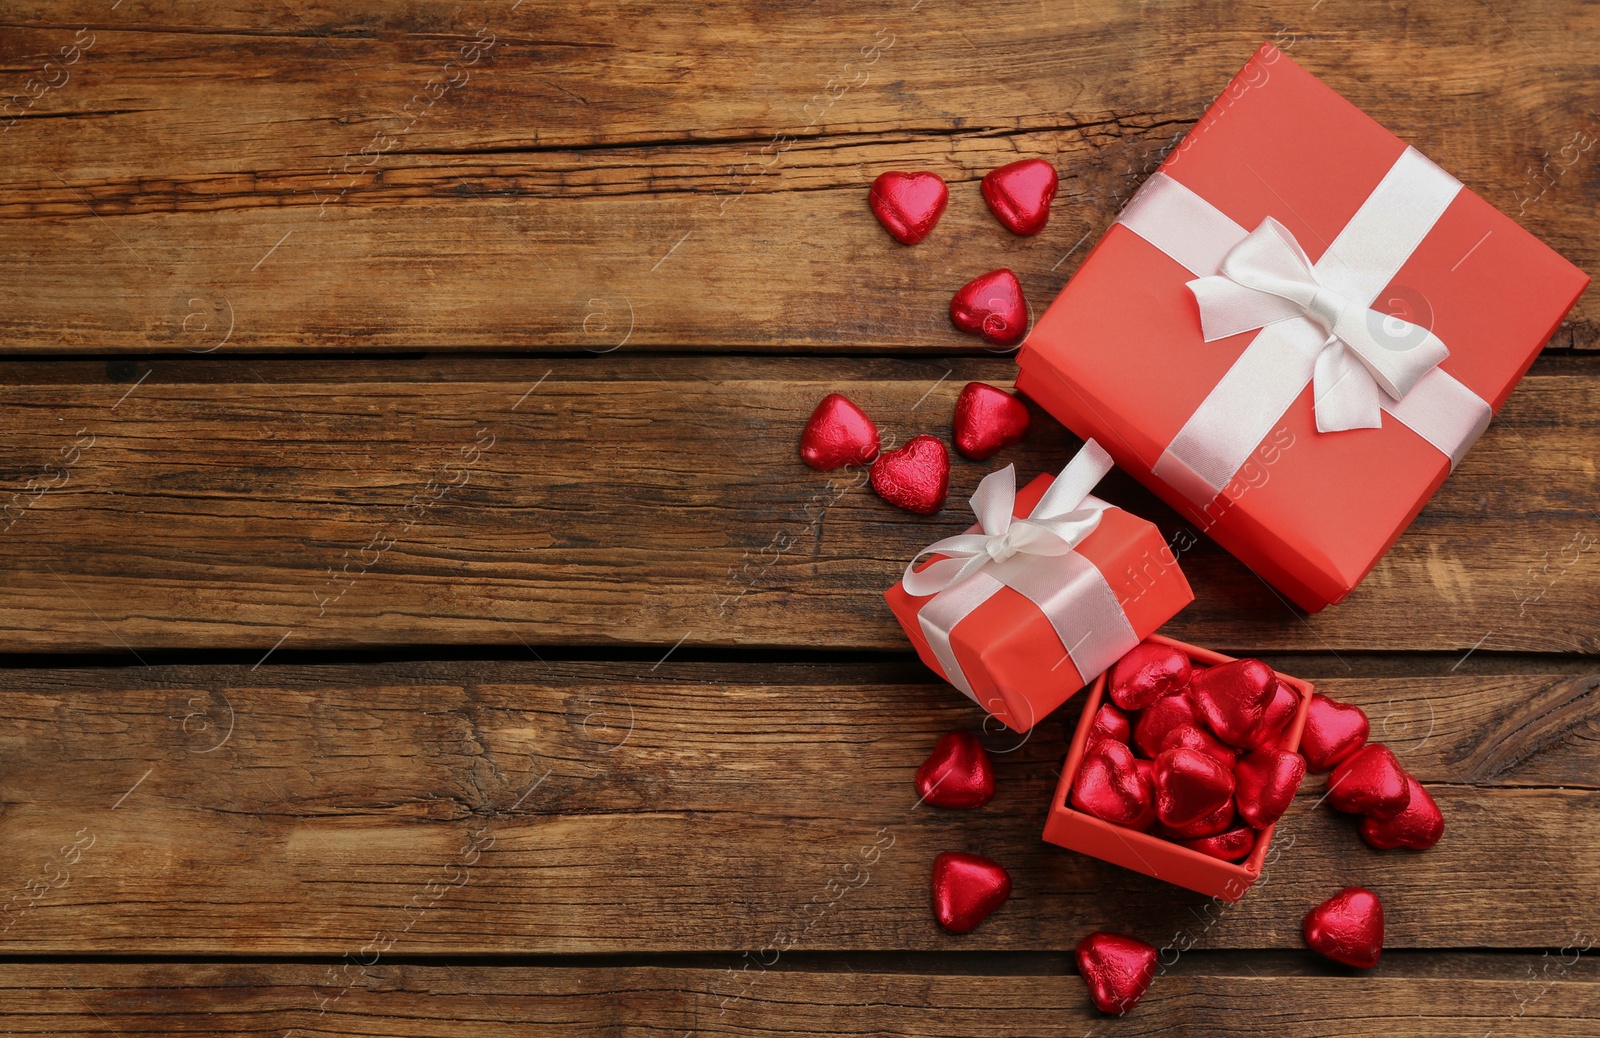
x=1013 y=659
x=1294 y=267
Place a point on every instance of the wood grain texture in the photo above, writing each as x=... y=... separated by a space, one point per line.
x=526 y=808
x=1202 y=996
x=631 y=501
x=490 y=176
x=665 y=844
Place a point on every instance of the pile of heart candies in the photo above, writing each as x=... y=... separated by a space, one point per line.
x=1191 y=754
x=916 y=476
x=991 y=306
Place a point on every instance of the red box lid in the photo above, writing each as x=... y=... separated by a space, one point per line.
x=1119 y=355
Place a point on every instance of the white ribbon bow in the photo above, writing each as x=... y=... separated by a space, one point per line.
x=1267 y=278
x=1056 y=526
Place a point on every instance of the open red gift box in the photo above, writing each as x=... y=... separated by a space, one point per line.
x=1014 y=658
x=1153 y=855
x=1296 y=330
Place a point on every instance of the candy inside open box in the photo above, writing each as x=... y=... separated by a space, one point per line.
x=1145 y=852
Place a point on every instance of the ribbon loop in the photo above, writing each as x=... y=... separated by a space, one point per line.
x=1267 y=277
x=1058 y=524
x=1289 y=352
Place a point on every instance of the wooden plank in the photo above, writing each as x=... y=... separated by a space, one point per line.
x=373 y=178
x=631 y=501
x=520 y=808
x=1202 y=996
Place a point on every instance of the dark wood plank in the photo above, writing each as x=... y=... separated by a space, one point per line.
x=1553 y=995
x=524 y=808
x=697 y=176
x=631 y=501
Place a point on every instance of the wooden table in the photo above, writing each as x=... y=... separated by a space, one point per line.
x=418 y=621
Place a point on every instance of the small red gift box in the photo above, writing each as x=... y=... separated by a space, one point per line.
x=1153 y=855
x=1296 y=329
x=1022 y=633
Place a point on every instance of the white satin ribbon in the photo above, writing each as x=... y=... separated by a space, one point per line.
x=1034 y=556
x=1317 y=324
x=1268 y=278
